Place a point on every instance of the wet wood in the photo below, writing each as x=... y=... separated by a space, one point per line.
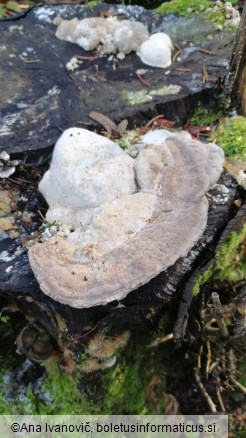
x=142 y=307
x=39 y=97
x=235 y=79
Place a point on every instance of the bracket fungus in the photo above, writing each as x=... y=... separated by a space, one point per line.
x=131 y=218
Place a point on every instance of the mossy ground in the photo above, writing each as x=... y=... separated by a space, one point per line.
x=204 y=116
x=123 y=388
x=231 y=136
x=230 y=262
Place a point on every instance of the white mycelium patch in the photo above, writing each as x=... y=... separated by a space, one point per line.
x=109 y=35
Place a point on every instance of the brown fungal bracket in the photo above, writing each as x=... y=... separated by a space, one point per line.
x=132 y=219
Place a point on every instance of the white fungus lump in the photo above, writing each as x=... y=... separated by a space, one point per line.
x=129 y=218
x=110 y=36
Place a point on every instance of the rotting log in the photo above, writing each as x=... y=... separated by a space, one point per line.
x=41 y=98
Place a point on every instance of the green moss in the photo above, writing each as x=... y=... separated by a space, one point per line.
x=228 y=265
x=91 y=4
x=123 y=387
x=142 y=96
x=64 y=393
x=202 y=279
x=241 y=370
x=59 y=387
x=127 y=384
x=184 y=7
x=188 y=8
x=204 y=116
x=136 y=97
x=231 y=136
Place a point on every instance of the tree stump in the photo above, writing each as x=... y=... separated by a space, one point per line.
x=40 y=98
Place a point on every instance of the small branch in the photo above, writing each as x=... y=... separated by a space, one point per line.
x=222 y=406
x=205 y=74
x=213 y=366
x=238 y=385
x=142 y=80
x=208 y=52
x=86 y=58
x=209 y=355
x=41 y=215
x=161 y=340
x=207 y=397
x=217 y=312
x=150 y=122
x=230 y=362
x=177 y=53
x=183 y=69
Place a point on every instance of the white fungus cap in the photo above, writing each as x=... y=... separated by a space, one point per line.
x=156 y=51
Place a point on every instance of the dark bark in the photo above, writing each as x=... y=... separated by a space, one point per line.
x=39 y=97
x=235 y=79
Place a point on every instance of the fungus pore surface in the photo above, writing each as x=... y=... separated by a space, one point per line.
x=130 y=218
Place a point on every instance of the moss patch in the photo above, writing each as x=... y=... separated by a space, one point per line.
x=205 y=8
x=128 y=382
x=91 y=4
x=231 y=136
x=142 y=96
x=230 y=262
x=204 y=117
x=184 y=7
x=121 y=389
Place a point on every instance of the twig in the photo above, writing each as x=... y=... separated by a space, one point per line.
x=208 y=52
x=238 y=385
x=142 y=80
x=207 y=397
x=205 y=74
x=150 y=122
x=199 y=362
x=213 y=366
x=208 y=363
x=230 y=362
x=217 y=312
x=183 y=70
x=87 y=58
x=76 y=338
x=161 y=340
x=18 y=180
x=222 y=406
x=177 y=53
x=41 y=215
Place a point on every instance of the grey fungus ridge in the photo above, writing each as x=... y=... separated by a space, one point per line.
x=125 y=236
